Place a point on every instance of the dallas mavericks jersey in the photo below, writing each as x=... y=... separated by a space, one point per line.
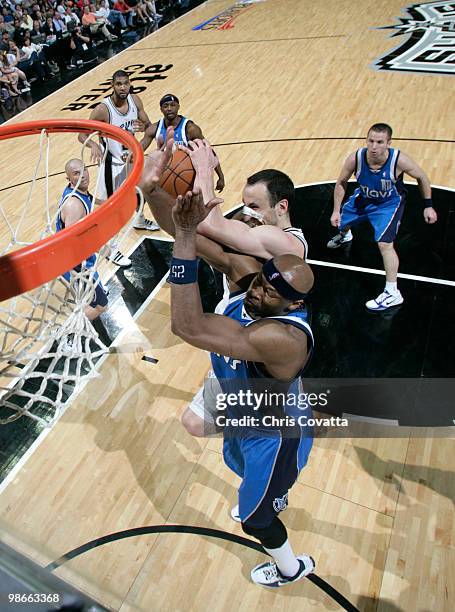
x=121 y=120
x=179 y=131
x=87 y=202
x=235 y=374
x=377 y=186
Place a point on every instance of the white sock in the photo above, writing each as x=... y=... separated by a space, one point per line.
x=391 y=287
x=347 y=234
x=140 y=217
x=284 y=557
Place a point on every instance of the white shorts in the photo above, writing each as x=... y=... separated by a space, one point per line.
x=203 y=403
x=112 y=174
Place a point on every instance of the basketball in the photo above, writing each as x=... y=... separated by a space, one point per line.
x=178 y=176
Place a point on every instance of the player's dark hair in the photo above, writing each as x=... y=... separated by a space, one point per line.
x=382 y=127
x=279 y=186
x=118 y=74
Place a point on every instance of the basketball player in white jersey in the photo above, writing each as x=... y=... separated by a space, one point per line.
x=184 y=129
x=267 y=197
x=126 y=111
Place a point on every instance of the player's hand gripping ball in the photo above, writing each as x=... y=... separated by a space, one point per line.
x=178 y=176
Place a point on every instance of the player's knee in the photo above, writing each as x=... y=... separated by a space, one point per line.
x=93 y=312
x=385 y=247
x=101 y=309
x=272 y=536
x=193 y=424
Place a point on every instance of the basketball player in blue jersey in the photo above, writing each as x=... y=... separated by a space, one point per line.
x=262 y=335
x=268 y=197
x=74 y=205
x=380 y=199
x=184 y=130
x=125 y=110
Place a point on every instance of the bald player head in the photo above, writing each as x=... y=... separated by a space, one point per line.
x=76 y=171
x=281 y=286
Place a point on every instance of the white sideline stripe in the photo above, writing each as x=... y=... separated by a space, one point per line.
x=424 y=279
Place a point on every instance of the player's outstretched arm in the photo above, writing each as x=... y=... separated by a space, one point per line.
x=264 y=241
x=193 y=133
x=99 y=113
x=409 y=166
x=340 y=188
x=268 y=342
x=204 y=161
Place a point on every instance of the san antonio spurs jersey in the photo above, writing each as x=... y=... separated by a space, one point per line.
x=121 y=120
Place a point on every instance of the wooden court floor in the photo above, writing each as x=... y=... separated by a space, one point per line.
x=290 y=86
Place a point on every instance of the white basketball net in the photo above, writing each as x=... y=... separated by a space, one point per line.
x=48 y=347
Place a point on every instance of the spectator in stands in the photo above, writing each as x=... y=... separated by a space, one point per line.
x=70 y=15
x=59 y=23
x=89 y=19
x=4 y=46
x=114 y=17
x=26 y=22
x=37 y=28
x=127 y=12
x=34 y=53
x=139 y=10
x=83 y=47
x=19 y=32
x=9 y=69
x=50 y=30
x=151 y=10
x=60 y=7
x=6 y=90
x=6 y=26
x=59 y=49
x=15 y=52
x=38 y=15
x=7 y=15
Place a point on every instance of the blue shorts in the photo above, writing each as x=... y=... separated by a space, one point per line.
x=268 y=466
x=384 y=217
x=100 y=297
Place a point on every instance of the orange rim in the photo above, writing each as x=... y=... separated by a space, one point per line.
x=42 y=261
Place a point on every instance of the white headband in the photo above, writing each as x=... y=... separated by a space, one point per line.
x=252 y=213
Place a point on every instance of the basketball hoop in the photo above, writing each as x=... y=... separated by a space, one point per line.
x=33 y=265
x=47 y=344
